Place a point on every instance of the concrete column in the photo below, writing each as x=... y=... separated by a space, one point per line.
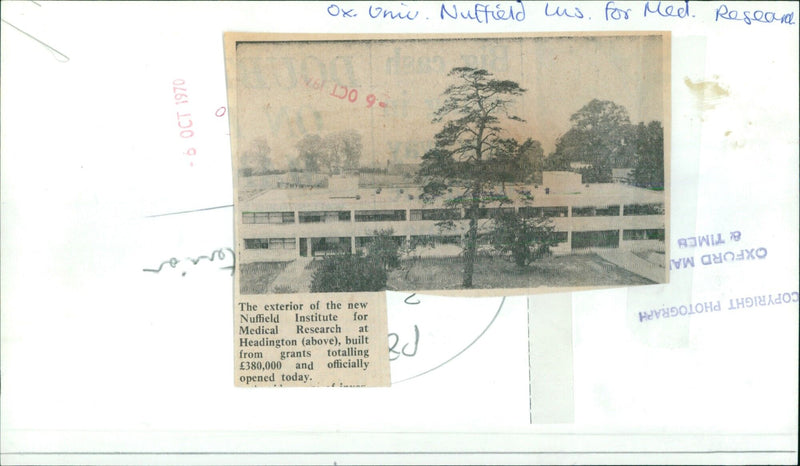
x=297 y=229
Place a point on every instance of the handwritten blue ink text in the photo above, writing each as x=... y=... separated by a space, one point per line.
x=334 y=10
x=756 y=16
x=668 y=11
x=376 y=12
x=483 y=13
x=615 y=14
x=562 y=12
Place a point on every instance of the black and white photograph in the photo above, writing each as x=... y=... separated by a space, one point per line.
x=449 y=163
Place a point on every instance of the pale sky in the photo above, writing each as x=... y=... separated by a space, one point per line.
x=561 y=74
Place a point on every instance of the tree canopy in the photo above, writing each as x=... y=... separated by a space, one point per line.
x=600 y=137
x=649 y=169
x=513 y=162
x=384 y=249
x=332 y=153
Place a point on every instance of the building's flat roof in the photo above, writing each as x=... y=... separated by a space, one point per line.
x=327 y=199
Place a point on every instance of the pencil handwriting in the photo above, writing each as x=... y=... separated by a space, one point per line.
x=396 y=353
x=216 y=254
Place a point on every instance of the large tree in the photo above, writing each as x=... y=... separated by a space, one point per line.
x=469 y=148
x=649 y=169
x=600 y=137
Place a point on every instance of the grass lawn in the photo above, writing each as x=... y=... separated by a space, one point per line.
x=255 y=278
x=562 y=271
x=490 y=272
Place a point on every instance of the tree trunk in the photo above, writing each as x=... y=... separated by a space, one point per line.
x=472 y=245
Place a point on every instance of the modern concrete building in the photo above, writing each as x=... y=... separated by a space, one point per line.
x=282 y=224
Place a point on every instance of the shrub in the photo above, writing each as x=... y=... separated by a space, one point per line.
x=348 y=272
x=384 y=249
x=524 y=240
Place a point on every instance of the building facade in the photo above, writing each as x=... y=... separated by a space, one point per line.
x=283 y=224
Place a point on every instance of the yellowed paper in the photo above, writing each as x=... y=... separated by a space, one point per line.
x=321 y=340
x=474 y=166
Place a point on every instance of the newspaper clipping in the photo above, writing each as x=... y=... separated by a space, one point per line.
x=328 y=340
x=469 y=165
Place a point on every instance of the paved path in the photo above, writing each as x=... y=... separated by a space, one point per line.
x=633 y=263
x=294 y=276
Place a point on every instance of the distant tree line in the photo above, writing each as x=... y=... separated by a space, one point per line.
x=332 y=153
x=255 y=160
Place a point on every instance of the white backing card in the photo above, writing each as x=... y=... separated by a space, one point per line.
x=106 y=361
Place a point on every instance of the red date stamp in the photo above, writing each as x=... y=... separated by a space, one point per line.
x=343 y=92
x=184 y=118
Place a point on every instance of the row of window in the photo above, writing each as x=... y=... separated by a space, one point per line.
x=364 y=241
x=268 y=217
x=609 y=211
x=435 y=214
x=543 y=211
x=324 y=217
x=399 y=215
x=643 y=209
x=333 y=244
x=380 y=215
x=270 y=243
x=557 y=236
x=434 y=240
x=610 y=238
x=650 y=233
x=580 y=239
